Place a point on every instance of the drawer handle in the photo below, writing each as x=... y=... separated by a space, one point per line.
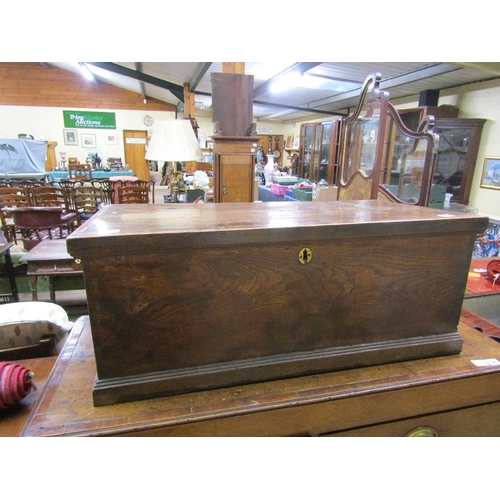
x=78 y=261
x=224 y=190
x=424 y=431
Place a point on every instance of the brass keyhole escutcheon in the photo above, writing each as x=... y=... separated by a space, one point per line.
x=424 y=431
x=305 y=255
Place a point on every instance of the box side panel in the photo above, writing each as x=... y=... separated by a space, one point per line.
x=170 y=310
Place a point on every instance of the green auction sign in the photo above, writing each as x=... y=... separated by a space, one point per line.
x=89 y=119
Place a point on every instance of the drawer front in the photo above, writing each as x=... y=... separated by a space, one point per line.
x=477 y=421
x=52 y=267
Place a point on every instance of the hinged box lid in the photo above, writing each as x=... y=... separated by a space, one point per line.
x=128 y=228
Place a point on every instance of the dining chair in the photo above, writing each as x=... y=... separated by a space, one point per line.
x=52 y=196
x=39 y=223
x=88 y=200
x=106 y=187
x=11 y=197
x=129 y=194
x=79 y=171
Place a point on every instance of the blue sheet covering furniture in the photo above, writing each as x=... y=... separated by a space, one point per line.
x=22 y=156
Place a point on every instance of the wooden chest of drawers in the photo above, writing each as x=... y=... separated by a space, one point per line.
x=442 y=396
x=190 y=297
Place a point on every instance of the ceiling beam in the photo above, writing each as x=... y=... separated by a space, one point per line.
x=200 y=72
x=388 y=83
x=138 y=67
x=177 y=90
x=290 y=109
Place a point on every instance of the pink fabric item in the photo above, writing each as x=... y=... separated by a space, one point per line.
x=15 y=383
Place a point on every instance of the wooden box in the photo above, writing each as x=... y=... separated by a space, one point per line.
x=197 y=296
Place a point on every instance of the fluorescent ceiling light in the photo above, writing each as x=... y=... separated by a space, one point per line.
x=286 y=82
x=86 y=71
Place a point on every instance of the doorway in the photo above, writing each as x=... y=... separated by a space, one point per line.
x=135 y=142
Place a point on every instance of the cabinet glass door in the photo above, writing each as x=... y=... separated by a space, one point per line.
x=306 y=143
x=362 y=146
x=316 y=153
x=407 y=163
x=457 y=154
x=324 y=160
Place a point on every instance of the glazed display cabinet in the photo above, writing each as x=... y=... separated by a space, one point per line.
x=457 y=155
x=318 y=153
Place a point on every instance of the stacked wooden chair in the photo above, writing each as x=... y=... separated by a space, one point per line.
x=88 y=200
x=10 y=199
x=39 y=223
x=134 y=191
x=54 y=197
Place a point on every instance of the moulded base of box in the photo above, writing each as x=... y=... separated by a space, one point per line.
x=170 y=382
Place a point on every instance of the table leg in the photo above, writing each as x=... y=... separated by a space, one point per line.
x=34 y=291
x=12 y=278
x=52 y=288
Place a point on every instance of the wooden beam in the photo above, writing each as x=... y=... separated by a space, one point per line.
x=233 y=67
x=189 y=109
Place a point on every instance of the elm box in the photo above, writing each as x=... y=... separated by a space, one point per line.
x=188 y=297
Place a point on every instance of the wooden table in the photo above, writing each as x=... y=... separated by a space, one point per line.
x=50 y=258
x=12 y=419
x=448 y=395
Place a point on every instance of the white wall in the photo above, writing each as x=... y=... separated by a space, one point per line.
x=47 y=123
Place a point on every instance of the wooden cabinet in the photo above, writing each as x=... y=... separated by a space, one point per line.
x=447 y=396
x=318 y=153
x=413 y=116
x=459 y=140
x=234 y=168
x=382 y=157
x=457 y=154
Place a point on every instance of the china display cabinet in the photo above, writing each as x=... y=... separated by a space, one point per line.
x=362 y=143
x=409 y=163
x=413 y=116
x=457 y=154
x=318 y=153
x=459 y=140
x=383 y=159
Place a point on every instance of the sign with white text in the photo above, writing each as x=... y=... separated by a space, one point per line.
x=89 y=119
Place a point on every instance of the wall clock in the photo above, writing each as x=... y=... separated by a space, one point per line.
x=148 y=121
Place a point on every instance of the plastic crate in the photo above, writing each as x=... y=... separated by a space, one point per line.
x=302 y=194
x=279 y=190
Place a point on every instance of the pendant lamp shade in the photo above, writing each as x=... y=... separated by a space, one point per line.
x=173 y=140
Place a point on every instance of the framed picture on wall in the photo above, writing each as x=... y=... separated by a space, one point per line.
x=70 y=137
x=88 y=141
x=491 y=173
x=111 y=138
